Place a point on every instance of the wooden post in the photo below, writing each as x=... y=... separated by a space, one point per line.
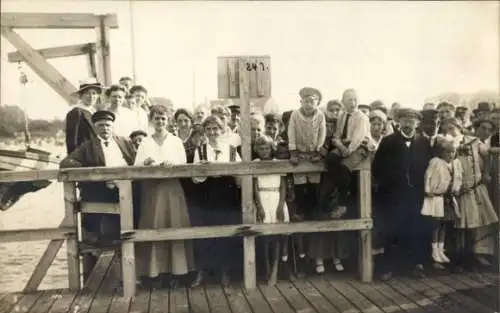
x=365 y=236
x=249 y=271
x=103 y=51
x=128 y=251
x=71 y=219
x=91 y=62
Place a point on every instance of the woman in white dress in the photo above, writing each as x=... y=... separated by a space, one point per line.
x=270 y=196
x=163 y=205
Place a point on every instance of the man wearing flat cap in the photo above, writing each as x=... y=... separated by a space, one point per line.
x=79 y=127
x=429 y=125
x=234 y=121
x=108 y=150
x=399 y=169
x=310 y=92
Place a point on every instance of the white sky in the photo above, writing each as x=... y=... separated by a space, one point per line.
x=393 y=51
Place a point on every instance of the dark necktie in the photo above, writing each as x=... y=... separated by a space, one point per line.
x=346 y=124
x=106 y=143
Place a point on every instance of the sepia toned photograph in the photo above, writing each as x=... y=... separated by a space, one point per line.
x=249 y=156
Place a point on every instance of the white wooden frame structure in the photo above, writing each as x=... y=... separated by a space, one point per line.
x=98 y=58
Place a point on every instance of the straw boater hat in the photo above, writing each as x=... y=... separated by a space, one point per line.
x=88 y=83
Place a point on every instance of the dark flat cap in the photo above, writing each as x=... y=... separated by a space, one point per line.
x=364 y=106
x=462 y=108
x=407 y=112
x=429 y=115
x=103 y=115
x=138 y=133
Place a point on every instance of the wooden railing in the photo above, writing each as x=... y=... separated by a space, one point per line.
x=68 y=229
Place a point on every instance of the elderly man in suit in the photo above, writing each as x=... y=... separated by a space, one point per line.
x=104 y=150
x=399 y=168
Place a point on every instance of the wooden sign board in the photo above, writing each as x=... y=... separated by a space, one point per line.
x=258 y=69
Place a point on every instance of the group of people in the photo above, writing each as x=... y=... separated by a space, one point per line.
x=431 y=174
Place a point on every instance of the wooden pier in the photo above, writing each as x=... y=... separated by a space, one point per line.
x=332 y=293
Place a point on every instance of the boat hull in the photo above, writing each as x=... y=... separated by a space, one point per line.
x=23 y=160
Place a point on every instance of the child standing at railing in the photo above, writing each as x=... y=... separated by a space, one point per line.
x=443 y=179
x=306 y=135
x=269 y=197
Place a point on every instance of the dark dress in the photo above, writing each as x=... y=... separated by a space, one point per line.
x=399 y=171
x=219 y=203
x=79 y=128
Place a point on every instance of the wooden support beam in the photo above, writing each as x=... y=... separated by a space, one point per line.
x=56 y=52
x=43 y=265
x=55 y=20
x=128 y=251
x=19 y=235
x=248 y=214
x=103 y=51
x=140 y=235
x=40 y=66
x=365 y=235
x=71 y=220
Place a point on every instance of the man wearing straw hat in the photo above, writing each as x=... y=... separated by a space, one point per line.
x=79 y=126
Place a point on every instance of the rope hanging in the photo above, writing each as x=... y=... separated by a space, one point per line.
x=23 y=80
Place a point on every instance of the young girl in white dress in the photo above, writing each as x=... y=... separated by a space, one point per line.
x=443 y=179
x=270 y=196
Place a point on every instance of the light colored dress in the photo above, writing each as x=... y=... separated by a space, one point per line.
x=440 y=178
x=269 y=193
x=163 y=205
x=476 y=209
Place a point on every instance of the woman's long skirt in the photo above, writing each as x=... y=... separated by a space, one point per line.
x=163 y=205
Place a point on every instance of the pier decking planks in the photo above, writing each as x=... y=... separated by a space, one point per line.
x=453 y=293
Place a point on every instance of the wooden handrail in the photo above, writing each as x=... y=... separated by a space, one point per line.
x=157 y=172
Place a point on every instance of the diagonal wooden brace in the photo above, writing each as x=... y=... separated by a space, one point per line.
x=40 y=66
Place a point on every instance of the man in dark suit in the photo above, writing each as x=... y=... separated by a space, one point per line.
x=79 y=127
x=399 y=168
x=104 y=150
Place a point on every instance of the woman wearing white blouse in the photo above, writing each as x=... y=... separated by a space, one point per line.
x=163 y=205
x=220 y=204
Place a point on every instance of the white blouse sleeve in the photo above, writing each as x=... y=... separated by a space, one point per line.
x=179 y=154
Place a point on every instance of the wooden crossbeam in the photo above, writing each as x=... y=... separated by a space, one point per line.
x=40 y=66
x=57 y=52
x=43 y=265
x=56 y=20
x=19 y=235
x=140 y=235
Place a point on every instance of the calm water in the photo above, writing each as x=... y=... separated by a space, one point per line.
x=42 y=209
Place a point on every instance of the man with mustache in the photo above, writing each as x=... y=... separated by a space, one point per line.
x=399 y=168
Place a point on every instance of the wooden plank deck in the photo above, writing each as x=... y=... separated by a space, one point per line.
x=339 y=293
